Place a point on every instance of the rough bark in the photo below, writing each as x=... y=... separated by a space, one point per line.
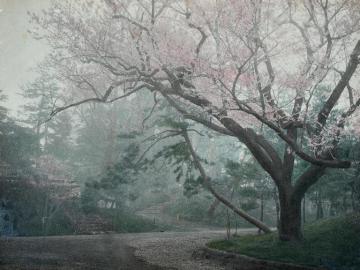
x=290 y=219
x=290 y=199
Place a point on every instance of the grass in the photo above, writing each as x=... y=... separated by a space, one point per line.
x=135 y=224
x=334 y=242
x=126 y=221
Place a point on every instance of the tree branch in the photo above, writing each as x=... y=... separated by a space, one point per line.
x=338 y=90
x=207 y=184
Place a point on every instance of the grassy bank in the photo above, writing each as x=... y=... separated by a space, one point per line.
x=331 y=242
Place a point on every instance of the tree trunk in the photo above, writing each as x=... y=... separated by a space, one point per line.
x=332 y=209
x=228 y=225
x=345 y=203
x=261 y=209
x=319 y=207
x=353 y=201
x=290 y=219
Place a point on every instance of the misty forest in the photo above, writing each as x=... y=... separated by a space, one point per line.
x=181 y=134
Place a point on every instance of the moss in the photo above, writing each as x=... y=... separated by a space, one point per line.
x=334 y=242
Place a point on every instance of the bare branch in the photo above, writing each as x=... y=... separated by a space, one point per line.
x=338 y=90
x=203 y=37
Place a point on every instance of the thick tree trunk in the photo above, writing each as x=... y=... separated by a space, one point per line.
x=290 y=219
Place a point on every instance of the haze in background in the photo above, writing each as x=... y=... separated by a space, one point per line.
x=19 y=52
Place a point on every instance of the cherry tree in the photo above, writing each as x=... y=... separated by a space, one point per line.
x=238 y=67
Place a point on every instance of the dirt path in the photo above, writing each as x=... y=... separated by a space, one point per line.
x=145 y=251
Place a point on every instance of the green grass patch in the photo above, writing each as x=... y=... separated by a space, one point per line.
x=135 y=224
x=334 y=242
x=125 y=221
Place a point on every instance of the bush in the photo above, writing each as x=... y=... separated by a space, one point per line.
x=26 y=204
x=125 y=221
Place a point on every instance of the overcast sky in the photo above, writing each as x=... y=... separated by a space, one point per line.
x=18 y=51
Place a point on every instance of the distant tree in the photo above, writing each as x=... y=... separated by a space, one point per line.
x=53 y=135
x=335 y=193
x=355 y=186
x=3 y=110
x=40 y=97
x=97 y=145
x=251 y=183
x=59 y=142
x=113 y=186
x=17 y=144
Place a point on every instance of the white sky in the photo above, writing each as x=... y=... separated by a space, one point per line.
x=19 y=52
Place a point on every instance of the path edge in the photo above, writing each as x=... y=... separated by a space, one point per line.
x=243 y=262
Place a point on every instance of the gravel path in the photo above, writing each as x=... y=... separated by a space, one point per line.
x=145 y=251
x=174 y=249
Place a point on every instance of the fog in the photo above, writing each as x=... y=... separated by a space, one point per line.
x=171 y=134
